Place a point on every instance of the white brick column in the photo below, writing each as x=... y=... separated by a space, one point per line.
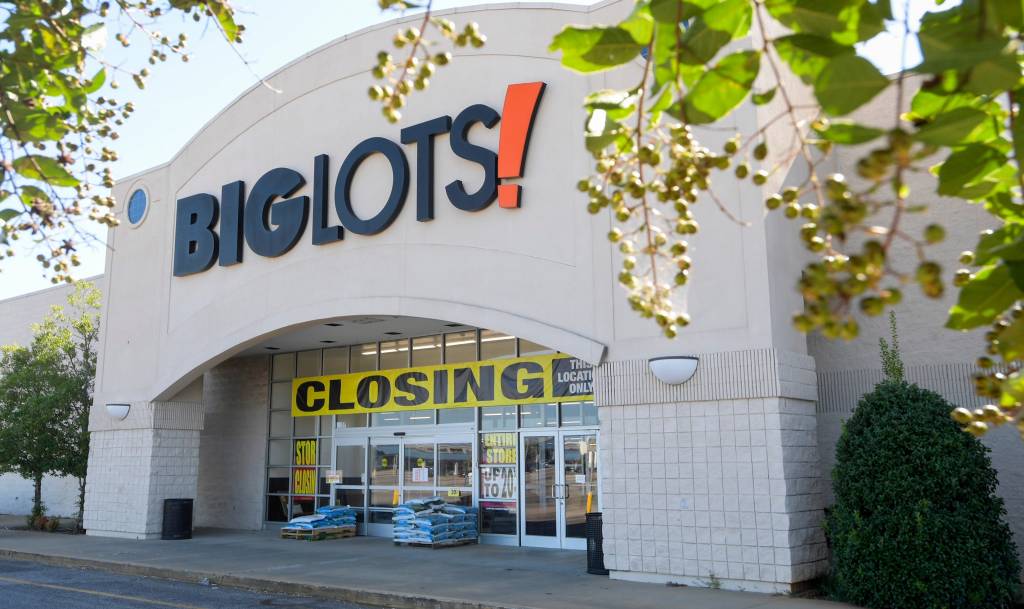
x=134 y=464
x=715 y=480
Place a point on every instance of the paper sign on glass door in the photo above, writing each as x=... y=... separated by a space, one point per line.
x=421 y=474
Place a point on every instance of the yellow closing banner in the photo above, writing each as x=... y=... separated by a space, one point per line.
x=524 y=380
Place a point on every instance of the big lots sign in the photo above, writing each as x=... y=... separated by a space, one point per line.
x=271 y=221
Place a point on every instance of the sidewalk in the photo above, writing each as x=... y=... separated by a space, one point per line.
x=373 y=571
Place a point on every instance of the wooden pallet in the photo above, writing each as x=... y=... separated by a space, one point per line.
x=448 y=543
x=318 y=534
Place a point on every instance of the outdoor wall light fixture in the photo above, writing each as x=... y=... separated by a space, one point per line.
x=673 y=369
x=118 y=411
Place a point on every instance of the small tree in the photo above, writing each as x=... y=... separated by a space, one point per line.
x=892 y=361
x=45 y=394
x=916 y=522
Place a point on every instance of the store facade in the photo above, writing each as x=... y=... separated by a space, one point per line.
x=530 y=468
x=307 y=305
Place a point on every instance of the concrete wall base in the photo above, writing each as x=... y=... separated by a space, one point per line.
x=740 y=585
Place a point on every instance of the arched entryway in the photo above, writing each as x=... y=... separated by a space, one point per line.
x=531 y=468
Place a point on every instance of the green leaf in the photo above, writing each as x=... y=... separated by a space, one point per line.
x=848 y=132
x=846 y=83
x=957 y=127
x=640 y=24
x=225 y=17
x=1016 y=273
x=1006 y=242
x=43 y=168
x=600 y=131
x=761 y=99
x=675 y=11
x=968 y=166
x=720 y=25
x=595 y=49
x=617 y=104
x=96 y=82
x=722 y=88
x=807 y=55
x=929 y=102
x=990 y=292
x=950 y=40
x=6 y=215
x=845 y=21
x=994 y=74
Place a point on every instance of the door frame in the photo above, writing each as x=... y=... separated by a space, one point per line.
x=559 y=540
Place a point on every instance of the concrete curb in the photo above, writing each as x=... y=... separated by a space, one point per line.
x=375 y=598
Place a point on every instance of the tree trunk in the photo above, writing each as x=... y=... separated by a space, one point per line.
x=37 y=498
x=81 y=505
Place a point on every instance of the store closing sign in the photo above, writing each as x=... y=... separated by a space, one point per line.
x=304 y=478
x=271 y=220
x=526 y=380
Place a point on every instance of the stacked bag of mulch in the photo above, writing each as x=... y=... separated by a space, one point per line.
x=433 y=521
x=326 y=516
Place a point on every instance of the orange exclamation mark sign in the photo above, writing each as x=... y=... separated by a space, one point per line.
x=521 y=103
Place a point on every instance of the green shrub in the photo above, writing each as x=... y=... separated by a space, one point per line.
x=916 y=522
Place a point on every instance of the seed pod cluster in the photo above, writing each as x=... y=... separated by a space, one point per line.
x=413 y=71
x=650 y=191
x=855 y=275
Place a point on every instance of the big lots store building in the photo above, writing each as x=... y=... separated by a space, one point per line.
x=308 y=306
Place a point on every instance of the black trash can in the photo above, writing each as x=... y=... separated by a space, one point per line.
x=177 y=519
x=595 y=545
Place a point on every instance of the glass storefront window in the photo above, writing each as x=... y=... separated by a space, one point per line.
x=280 y=424
x=346 y=421
x=455 y=465
x=303 y=505
x=419 y=465
x=498 y=517
x=426 y=351
x=579 y=413
x=280 y=452
x=307 y=363
x=392 y=419
x=351 y=497
x=538 y=415
x=384 y=464
x=283 y=367
x=336 y=360
x=305 y=426
x=527 y=347
x=351 y=462
x=394 y=354
x=281 y=396
x=300 y=448
x=460 y=347
x=457 y=497
x=277 y=508
x=497 y=417
x=363 y=358
x=496 y=345
x=277 y=480
x=455 y=415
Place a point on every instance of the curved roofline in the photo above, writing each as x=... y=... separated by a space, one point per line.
x=574 y=8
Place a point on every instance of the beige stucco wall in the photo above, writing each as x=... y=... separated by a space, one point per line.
x=544 y=271
x=936 y=358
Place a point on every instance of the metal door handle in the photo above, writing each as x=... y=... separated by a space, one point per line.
x=552 y=494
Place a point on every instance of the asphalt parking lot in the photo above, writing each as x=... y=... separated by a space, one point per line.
x=28 y=585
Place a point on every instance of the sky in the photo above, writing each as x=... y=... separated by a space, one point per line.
x=181 y=97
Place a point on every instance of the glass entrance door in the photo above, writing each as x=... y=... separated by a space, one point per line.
x=376 y=473
x=559 y=486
